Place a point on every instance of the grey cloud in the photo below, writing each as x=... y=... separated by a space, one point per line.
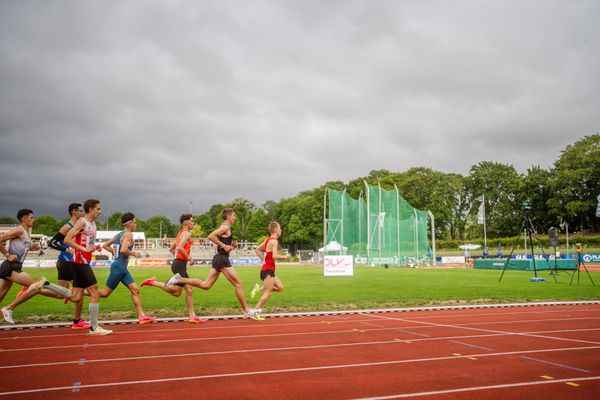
x=152 y=105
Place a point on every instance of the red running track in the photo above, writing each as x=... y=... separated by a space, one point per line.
x=533 y=352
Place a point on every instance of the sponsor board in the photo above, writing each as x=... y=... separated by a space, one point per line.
x=453 y=260
x=590 y=258
x=338 y=266
x=39 y=263
x=245 y=261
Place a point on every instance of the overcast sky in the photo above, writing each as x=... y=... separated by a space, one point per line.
x=151 y=105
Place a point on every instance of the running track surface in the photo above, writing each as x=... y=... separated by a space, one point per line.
x=528 y=352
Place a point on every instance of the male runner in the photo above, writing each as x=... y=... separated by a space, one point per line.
x=11 y=268
x=181 y=248
x=82 y=238
x=121 y=246
x=268 y=252
x=65 y=259
x=223 y=238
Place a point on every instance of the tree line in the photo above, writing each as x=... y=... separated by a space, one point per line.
x=564 y=193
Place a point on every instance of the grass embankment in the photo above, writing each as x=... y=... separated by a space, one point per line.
x=308 y=290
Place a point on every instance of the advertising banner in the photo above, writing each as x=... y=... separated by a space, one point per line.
x=338 y=266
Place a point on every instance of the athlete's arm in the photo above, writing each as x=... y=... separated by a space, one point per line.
x=12 y=234
x=274 y=244
x=213 y=237
x=125 y=242
x=108 y=245
x=70 y=237
x=260 y=252
x=58 y=241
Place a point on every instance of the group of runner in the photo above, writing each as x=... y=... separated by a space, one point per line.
x=76 y=241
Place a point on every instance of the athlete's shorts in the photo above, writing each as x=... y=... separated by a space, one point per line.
x=83 y=276
x=119 y=274
x=7 y=268
x=220 y=261
x=179 y=266
x=65 y=270
x=265 y=273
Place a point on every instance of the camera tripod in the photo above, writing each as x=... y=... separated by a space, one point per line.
x=579 y=264
x=528 y=230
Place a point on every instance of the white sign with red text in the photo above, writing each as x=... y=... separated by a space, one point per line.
x=338 y=266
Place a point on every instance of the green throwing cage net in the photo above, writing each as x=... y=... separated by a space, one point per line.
x=378 y=228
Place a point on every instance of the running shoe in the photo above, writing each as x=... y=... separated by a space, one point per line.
x=81 y=324
x=23 y=290
x=7 y=315
x=146 y=319
x=197 y=320
x=174 y=279
x=148 y=282
x=100 y=331
x=37 y=284
x=255 y=290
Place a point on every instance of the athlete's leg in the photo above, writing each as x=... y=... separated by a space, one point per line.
x=233 y=277
x=271 y=284
x=5 y=286
x=173 y=290
x=206 y=284
x=189 y=301
x=23 y=279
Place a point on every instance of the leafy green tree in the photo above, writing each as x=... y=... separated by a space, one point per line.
x=576 y=184
x=5 y=220
x=258 y=226
x=114 y=222
x=500 y=183
x=46 y=225
x=211 y=219
x=159 y=224
x=244 y=210
x=536 y=191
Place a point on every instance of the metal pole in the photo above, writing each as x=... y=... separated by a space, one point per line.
x=368 y=222
x=379 y=221
x=324 y=222
x=416 y=235
x=342 y=230
x=398 y=221
x=484 y=227
x=432 y=234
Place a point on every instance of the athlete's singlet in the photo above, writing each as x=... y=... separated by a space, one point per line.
x=269 y=261
x=186 y=247
x=85 y=238
x=20 y=247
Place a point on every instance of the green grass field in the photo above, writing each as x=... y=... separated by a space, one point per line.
x=308 y=290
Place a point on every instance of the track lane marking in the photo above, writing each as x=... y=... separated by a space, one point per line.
x=476 y=388
x=303 y=369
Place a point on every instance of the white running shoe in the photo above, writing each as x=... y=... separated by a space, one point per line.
x=100 y=331
x=174 y=279
x=7 y=314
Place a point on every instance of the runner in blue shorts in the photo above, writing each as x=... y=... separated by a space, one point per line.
x=121 y=246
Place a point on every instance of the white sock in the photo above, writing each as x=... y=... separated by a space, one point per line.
x=94 y=308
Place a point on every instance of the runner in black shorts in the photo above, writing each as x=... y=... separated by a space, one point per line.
x=181 y=248
x=82 y=238
x=268 y=252
x=223 y=238
x=64 y=263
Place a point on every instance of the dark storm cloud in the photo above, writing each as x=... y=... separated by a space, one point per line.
x=152 y=105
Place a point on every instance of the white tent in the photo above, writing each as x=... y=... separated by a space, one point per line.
x=106 y=235
x=333 y=246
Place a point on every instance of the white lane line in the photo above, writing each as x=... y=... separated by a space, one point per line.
x=486 y=330
x=555 y=364
x=291 y=370
x=265 y=325
x=414 y=333
x=476 y=388
x=220 y=338
x=471 y=345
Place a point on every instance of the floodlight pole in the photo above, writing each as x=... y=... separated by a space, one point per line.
x=342 y=238
x=324 y=221
x=379 y=223
x=416 y=235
